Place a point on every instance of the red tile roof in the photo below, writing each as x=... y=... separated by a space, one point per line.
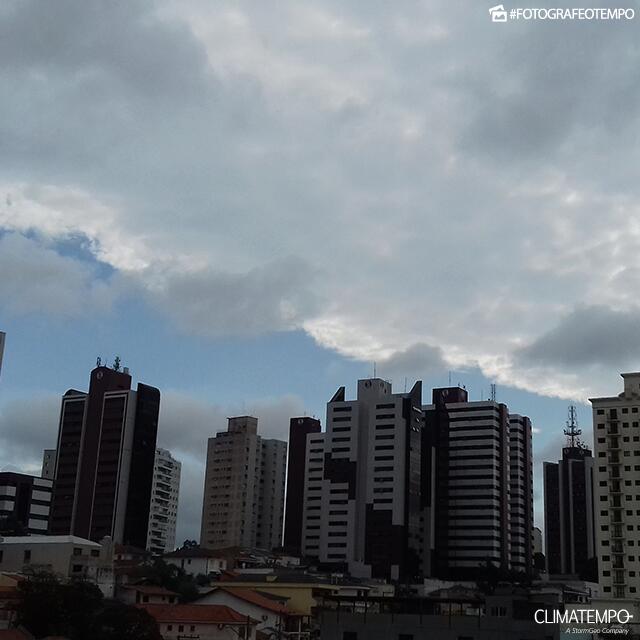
x=249 y=595
x=196 y=613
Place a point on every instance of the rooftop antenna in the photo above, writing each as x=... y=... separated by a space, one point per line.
x=572 y=431
x=374 y=368
x=449 y=378
x=98 y=361
x=493 y=392
x=116 y=364
x=405 y=384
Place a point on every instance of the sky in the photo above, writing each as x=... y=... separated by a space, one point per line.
x=250 y=203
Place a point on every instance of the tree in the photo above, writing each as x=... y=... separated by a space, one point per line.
x=118 y=621
x=169 y=576
x=48 y=607
x=78 y=611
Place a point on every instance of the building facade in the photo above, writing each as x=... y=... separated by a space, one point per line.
x=362 y=509
x=25 y=503
x=521 y=493
x=163 y=513
x=48 y=464
x=474 y=454
x=105 y=456
x=616 y=435
x=299 y=428
x=569 y=513
x=244 y=477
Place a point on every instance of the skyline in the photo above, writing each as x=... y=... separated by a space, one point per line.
x=250 y=205
x=207 y=418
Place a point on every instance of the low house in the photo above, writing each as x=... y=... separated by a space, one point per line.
x=303 y=592
x=64 y=556
x=146 y=594
x=205 y=622
x=195 y=561
x=271 y=612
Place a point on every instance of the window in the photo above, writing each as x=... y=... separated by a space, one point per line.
x=181 y=627
x=1 y=553
x=27 y=555
x=77 y=551
x=405 y=636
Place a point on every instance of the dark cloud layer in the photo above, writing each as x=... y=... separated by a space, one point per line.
x=594 y=335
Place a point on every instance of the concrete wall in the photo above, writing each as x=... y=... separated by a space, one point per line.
x=385 y=627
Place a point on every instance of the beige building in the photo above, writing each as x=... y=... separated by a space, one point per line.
x=243 y=502
x=616 y=436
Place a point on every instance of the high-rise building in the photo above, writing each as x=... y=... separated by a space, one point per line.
x=521 y=493
x=243 y=501
x=473 y=453
x=299 y=428
x=270 y=512
x=25 y=503
x=362 y=509
x=105 y=456
x=616 y=444
x=48 y=464
x=165 y=491
x=569 y=508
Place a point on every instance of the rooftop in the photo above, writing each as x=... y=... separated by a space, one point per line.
x=196 y=613
x=49 y=540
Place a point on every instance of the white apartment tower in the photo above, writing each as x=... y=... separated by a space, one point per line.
x=362 y=487
x=161 y=536
x=616 y=441
x=243 y=501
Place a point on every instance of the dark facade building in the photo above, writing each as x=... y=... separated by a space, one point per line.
x=104 y=468
x=25 y=503
x=299 y=428
x=477 y=469
x=569 y=510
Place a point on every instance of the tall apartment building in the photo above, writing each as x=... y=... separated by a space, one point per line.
x=299 y=428
x=48 y=464
x=569 y=508
x=163 y=513
x=243 y=501
x=270 y=512
x=616 y=435
x=521 y=493
x=25 y=503
x=362 y=509
x=104 y=468
x=473 y=453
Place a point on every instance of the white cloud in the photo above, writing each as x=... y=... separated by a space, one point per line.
x=382 y=176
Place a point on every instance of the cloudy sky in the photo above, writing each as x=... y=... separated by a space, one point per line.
x=251 y=202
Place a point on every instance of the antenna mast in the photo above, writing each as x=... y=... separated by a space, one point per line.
x=493 y=392
x=572 y=431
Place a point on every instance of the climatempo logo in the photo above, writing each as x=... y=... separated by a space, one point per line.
x=498 y=13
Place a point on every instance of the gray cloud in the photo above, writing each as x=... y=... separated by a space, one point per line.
x=417 y=361
x=588 y=336
x=38 y=279
x=452 y=183
x=278 y=296
x=27 y=427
